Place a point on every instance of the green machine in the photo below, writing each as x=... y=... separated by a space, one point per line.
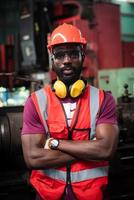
x=114 y=80
x=127 y=19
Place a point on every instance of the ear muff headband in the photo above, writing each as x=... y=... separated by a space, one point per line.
x=74 y=91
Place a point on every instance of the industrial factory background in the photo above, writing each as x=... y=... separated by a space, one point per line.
x=25 y=66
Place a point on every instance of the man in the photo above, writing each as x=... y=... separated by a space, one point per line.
x=70 y=130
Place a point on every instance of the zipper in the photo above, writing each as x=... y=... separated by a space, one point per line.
x=70 y=130
x=69 y=165
x=68 y=175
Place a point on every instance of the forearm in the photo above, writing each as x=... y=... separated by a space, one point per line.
x=84 y=150
x=40 y=158
x=102 y=148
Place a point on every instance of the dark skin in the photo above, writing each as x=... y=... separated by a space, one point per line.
x=102 y=148
x=68 y=70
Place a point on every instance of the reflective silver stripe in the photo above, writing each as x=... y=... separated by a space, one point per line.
x=42 y=102
x=55 y=174
x=81 y=175
x=94 y=106
x=88 y=174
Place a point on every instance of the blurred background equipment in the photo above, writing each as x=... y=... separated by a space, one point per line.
x=13 y=172
x=34 y=26
x=114 y=79
x=122 y=168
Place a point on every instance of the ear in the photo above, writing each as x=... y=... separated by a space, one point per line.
x=52 y=64
x=83 y=56
x=51 y=61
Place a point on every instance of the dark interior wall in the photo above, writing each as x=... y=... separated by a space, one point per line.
x=9 y=19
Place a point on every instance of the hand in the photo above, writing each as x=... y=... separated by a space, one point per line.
x=47 y=143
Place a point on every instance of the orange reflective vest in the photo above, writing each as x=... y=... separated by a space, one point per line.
x=88 y=179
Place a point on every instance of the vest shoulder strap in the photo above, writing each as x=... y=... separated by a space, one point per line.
x=39 y=98
x=95 y=101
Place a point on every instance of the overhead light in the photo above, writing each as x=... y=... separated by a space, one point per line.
x=127 y=1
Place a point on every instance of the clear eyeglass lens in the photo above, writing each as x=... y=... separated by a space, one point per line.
x=74 y=54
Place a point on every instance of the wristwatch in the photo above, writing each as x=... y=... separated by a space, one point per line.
x=53 y=143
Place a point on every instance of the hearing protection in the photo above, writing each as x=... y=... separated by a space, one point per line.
x=73 y=91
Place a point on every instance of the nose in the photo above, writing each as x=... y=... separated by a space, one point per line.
x=67 y=59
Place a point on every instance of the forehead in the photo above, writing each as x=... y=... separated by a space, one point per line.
x=70 y=46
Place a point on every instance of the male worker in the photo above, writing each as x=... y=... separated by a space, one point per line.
x=70 y=130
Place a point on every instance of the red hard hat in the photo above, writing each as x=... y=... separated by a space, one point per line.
x=66 y=33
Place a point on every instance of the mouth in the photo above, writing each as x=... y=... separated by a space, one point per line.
x=68 y=71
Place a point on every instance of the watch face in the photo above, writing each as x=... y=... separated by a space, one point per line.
x=54 y=143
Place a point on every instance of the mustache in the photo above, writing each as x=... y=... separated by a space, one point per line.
x=68 y=67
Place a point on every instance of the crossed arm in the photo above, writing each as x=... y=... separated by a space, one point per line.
x=103 y=148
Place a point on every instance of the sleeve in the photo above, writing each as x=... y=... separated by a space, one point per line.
x=31 y=121
x=108 y=112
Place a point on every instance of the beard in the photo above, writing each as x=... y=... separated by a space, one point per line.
x=68 y=74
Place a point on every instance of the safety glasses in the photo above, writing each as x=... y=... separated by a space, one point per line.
x=72 y=54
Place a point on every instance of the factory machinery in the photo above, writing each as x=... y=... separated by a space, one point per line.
x=121 y=176
x=13 y=172
x=14 y=175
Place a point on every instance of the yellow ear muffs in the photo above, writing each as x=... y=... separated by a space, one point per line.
x=77 y=88
x=60 y=89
